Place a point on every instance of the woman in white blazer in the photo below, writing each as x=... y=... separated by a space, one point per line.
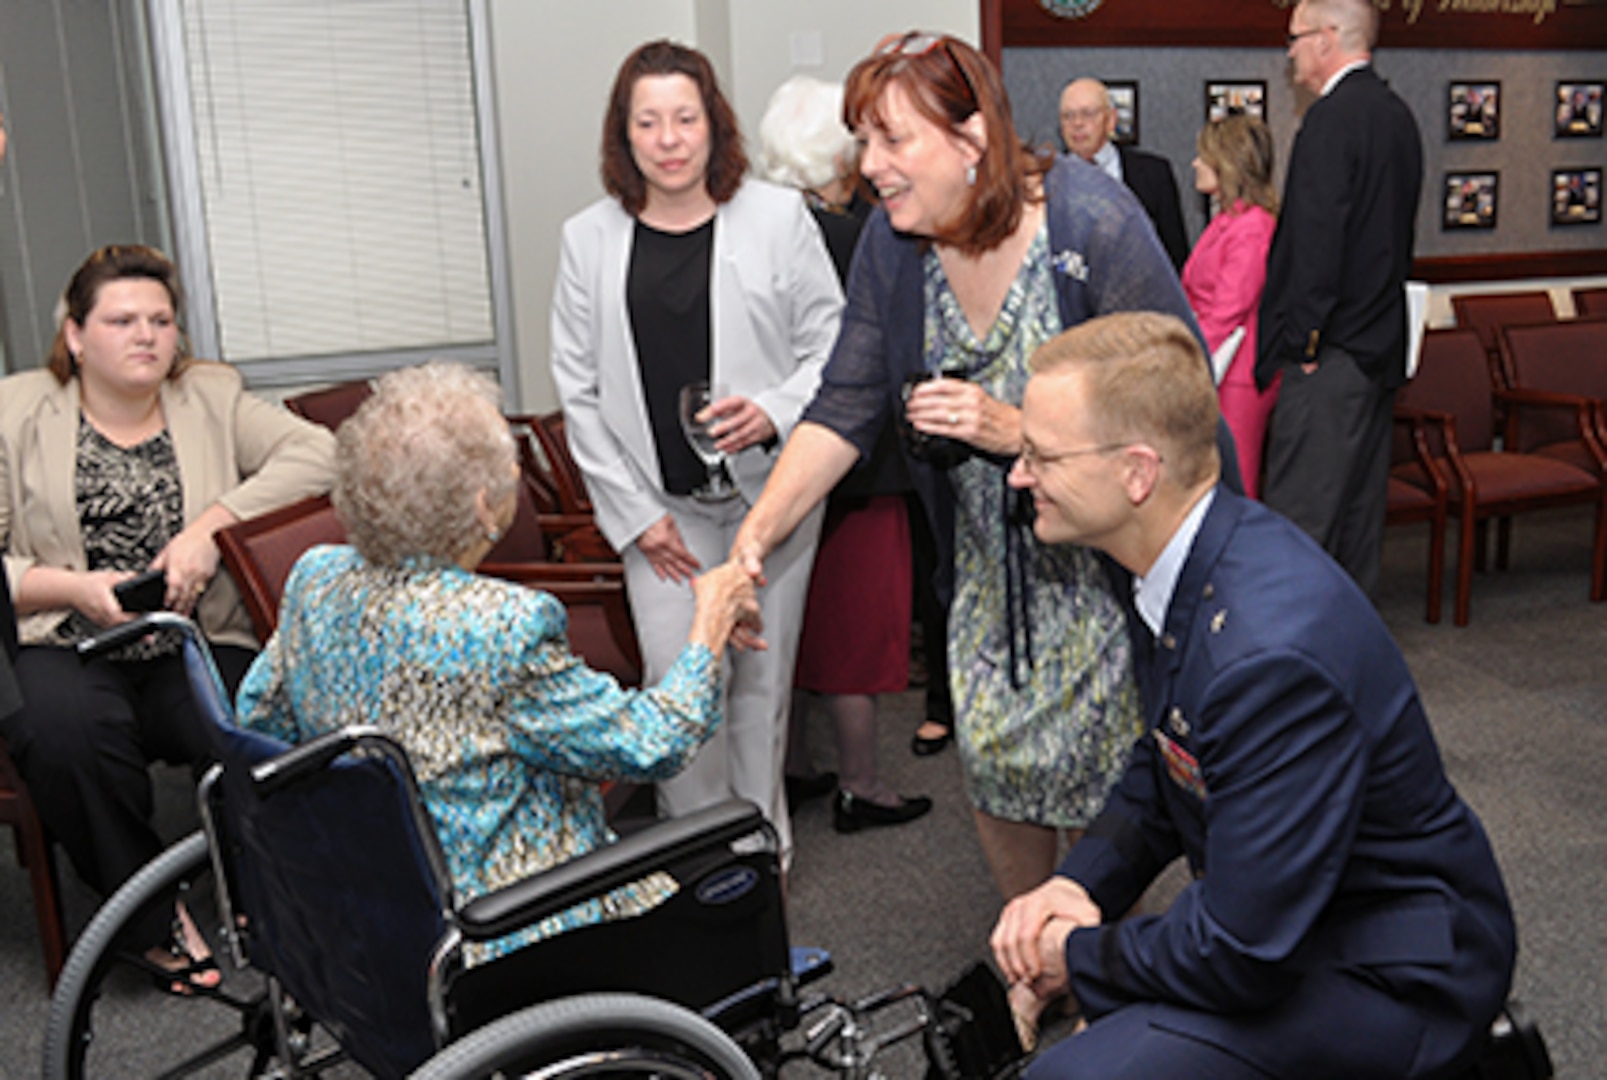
x=688 y=271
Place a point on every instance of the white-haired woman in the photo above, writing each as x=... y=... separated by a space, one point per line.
x=508 y=731
x=850 y=650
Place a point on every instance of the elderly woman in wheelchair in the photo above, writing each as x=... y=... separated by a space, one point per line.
x=507 y=730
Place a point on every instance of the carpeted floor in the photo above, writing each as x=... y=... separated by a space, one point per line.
x=1518 y=699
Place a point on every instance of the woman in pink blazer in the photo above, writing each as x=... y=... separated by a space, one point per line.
x=1228 y=267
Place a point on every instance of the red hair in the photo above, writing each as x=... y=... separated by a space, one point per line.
x=727 y=161
x=947 y=81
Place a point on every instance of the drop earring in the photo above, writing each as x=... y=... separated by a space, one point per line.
x=970 y=176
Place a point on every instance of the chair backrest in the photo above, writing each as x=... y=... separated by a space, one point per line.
x=1590 y=301
x=336 y=881
x=600 y=628
x=524 y=540
x=1567 y=357
x=1453 y=377
x=551 y=435
x=260 y=552
x=330 y=405
x=1484 y=313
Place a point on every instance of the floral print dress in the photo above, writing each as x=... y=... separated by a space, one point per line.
x=1040 y=665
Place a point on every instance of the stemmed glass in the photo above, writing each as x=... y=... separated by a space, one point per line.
x=695 y=397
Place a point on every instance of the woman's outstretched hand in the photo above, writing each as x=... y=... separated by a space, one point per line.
x=727 y=609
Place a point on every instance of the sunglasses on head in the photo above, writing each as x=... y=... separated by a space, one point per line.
x=915 y=44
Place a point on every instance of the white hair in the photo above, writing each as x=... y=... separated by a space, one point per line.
x=802 y=140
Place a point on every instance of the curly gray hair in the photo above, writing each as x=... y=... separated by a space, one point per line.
x=802 y=140
x=410 y=461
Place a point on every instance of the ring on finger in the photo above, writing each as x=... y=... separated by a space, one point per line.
x=954 y=418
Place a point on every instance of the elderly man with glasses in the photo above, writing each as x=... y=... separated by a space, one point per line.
x=1087 y=124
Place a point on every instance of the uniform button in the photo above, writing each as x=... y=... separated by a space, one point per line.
x=1168 y=641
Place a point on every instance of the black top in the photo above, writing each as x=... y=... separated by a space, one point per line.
x=130 y=504
x=667 y=298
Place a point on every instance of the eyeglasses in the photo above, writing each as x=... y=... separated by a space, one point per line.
x=1086 y=116
x=1292 y=38
x=1033 y=459
x=915 y=44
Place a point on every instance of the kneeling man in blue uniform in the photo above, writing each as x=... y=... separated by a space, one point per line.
x=1346 y=917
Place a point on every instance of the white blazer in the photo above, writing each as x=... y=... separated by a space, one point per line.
x=775 y=305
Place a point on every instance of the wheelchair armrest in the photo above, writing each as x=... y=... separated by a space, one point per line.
x=307 y=758
x=526 y=902
x=123 y=633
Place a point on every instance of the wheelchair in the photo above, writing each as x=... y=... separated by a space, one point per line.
x=341 y=945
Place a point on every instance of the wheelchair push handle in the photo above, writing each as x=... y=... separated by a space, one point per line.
x=115 y=637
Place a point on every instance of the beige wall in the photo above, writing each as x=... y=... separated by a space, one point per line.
x=555 y=60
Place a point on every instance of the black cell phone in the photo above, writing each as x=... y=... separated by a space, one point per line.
x=143 y=592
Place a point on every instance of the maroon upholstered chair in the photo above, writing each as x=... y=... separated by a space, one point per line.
x=34 y=852
x=1591 y=301
x=331 y=405
x=553 y=474
x=1418 y=493
x=259 y=553
x=1484 y=482
x=1485 y=313
x=1548 y=361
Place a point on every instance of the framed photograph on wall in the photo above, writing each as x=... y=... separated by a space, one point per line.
x=1470 y=200
x=1578 y=110
x=1124 y=99
x=1575 y=196
x=1474 y=110
x=1226 y=98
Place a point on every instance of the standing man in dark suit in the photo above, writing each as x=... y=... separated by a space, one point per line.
x=1087 y=122
x=1346 y=917
x=1333 y=315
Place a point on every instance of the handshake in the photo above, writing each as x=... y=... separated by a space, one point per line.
x=727 y=608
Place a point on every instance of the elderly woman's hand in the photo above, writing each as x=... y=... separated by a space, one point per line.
x=737 y=423
x=962 y=410
x=727 y=609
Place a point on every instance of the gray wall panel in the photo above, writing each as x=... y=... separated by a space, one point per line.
x=1171 y=110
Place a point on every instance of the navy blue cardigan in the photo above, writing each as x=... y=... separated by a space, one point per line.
x=1106 y=258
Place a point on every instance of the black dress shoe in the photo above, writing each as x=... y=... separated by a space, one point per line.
x=801 y=789
x=849 y=814
x=921 y=746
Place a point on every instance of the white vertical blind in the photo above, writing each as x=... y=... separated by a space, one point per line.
x=339 y=168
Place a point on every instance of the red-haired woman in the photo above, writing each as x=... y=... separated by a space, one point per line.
x=981 y=251
x=689 y=273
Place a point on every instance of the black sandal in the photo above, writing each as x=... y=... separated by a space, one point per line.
x=191 y=975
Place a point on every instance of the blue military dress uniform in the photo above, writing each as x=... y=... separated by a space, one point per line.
x=1347 y=917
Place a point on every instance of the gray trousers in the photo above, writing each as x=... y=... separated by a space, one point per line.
x=1328 y=460
x=744 y=757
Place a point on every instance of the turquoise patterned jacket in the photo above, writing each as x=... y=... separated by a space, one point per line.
x=508 y=731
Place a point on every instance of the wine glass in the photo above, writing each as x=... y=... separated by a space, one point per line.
x=695 y=397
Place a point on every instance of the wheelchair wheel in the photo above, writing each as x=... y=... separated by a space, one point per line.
x=588 y=1035
x=108 y=1016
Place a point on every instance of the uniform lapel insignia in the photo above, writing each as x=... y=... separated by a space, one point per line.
x=1219 y=620
x=1178 y=724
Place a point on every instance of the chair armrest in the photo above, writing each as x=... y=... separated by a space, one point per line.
x=1587 y=412
x=527 y=902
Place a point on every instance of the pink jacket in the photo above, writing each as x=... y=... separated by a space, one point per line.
x=1223 y=280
